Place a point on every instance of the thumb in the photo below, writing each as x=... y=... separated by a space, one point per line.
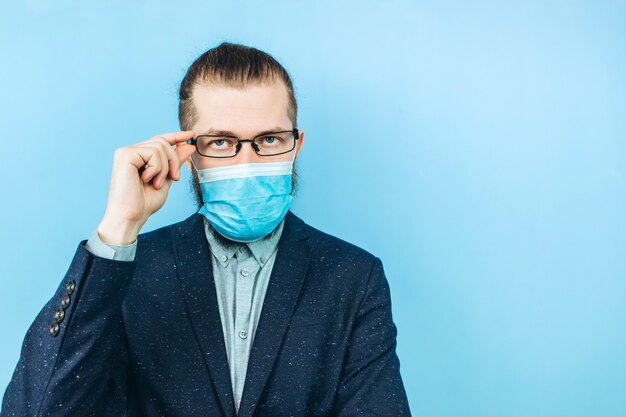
x=184 y=151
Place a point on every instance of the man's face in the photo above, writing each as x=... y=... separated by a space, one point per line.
x=245 y=113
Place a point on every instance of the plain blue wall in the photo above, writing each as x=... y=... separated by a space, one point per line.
x=497 y=206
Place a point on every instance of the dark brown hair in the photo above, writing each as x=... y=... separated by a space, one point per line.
x=233 y=65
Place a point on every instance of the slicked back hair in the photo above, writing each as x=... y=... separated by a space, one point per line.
x=232 y=65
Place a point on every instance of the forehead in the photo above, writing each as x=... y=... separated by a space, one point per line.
x=243 y=111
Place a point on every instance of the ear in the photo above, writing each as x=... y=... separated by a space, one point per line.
x=299 y=142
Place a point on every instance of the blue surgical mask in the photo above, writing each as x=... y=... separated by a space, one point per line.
x=245 y=202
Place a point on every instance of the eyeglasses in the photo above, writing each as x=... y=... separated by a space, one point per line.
x=267 y=144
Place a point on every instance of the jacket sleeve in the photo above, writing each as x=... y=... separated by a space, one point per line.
x=73 y=357
x=371 y=384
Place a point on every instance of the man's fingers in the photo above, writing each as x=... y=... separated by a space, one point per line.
x=175 y=137
x=170 y=161
x=162 y=156
x=184 y=151
x=165 y=166
x=147 y=158
x=175 y=156
x=172 y=158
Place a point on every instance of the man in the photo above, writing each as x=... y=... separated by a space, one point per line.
x=240 y=309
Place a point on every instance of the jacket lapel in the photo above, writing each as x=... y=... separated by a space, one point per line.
x=196 y=278
x=283 y=289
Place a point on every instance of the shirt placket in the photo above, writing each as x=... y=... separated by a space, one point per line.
x=244 y=278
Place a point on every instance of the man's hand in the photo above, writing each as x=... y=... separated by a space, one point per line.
x=141 y=178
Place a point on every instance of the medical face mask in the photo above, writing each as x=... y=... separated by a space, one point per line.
x=245 y=202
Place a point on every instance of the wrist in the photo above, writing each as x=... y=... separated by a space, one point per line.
x=118 y=232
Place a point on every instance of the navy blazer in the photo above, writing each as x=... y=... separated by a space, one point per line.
x=144 y=338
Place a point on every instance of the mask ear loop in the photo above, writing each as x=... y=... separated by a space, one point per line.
x=192 y=162
x=293 y=160
x=293 y=165
x=191 y=158
x=294 y=156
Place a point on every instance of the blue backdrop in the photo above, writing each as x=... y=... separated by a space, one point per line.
x=477 y=148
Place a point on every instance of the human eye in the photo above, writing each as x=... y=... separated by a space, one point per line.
x=270 y=140
x=220 y=143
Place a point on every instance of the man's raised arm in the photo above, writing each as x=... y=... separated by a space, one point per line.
x=73 y=358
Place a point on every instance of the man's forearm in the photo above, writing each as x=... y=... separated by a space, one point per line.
x=75 y=343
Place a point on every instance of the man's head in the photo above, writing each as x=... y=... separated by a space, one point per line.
x=241 y=90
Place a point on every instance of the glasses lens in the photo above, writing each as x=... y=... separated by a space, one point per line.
x=216 y=146
x=275 y=143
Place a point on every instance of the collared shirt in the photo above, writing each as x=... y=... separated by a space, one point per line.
x=241 y=273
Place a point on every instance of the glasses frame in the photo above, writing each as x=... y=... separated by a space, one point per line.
x=295 y=131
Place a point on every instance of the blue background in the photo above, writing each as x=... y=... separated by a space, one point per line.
x=477 y=148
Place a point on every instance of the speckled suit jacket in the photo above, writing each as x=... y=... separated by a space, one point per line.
x=144 y=338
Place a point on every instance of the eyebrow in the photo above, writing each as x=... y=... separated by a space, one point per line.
x=230 y=133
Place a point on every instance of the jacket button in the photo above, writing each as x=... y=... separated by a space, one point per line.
x=70 y=286
x=58 y=315
x=54 y=329
x=65 y=301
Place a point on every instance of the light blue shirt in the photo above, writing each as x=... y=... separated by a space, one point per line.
x=241 y=273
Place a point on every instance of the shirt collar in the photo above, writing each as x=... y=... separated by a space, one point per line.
x=261 y=249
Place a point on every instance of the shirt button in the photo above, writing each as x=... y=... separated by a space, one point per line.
x=224 y=258
x=262 y=259
x=238 y=404
x=245 y=272
x=243 y=334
